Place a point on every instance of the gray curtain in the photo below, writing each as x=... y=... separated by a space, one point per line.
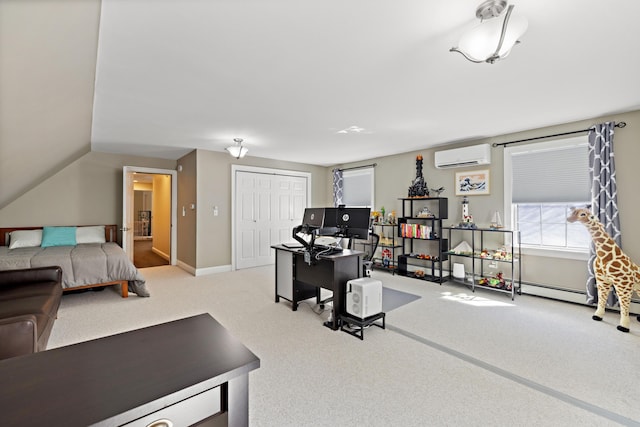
x=338 y=187
x=604 y=195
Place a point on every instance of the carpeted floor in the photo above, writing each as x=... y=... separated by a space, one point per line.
x=449 y=358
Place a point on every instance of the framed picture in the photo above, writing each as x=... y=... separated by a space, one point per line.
x=472 y=183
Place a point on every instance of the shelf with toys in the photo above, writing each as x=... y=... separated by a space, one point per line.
x=488 y=266
x=386 y=257
x=420 y=229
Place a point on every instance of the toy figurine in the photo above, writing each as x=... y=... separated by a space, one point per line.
x=419 y=186
x=467 y=218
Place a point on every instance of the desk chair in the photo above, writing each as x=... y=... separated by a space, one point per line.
x=369 y=248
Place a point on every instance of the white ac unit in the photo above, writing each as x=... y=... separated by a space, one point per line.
x=466 y=156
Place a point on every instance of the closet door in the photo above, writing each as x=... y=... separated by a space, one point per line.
x=268 y=206
x=289 y=203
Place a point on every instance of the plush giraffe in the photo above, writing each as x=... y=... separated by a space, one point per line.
x=612 y=267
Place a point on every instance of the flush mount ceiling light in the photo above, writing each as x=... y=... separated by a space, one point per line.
x=237 y=151
x=352 y=129
x=496 y=34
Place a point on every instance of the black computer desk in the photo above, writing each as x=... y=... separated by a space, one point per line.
x=296 y=280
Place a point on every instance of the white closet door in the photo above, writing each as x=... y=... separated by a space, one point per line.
x=289 y=203
x=268 y=206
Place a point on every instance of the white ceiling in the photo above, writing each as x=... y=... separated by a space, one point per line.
x=286 y=75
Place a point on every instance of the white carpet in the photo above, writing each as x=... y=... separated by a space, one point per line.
x=448 y=358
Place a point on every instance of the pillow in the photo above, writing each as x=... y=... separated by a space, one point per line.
x=93 y=234
x=58 y=236
x=25 y=238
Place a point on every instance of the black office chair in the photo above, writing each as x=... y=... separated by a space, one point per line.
x=369 y=248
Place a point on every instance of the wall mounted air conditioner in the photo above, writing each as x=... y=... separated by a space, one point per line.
x=466 y=156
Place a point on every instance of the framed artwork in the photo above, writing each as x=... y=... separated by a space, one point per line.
x=472 y=183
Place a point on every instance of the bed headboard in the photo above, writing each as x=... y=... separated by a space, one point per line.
x=110 y=233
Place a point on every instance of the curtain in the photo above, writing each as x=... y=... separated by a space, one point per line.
x=604 y=196
x=338 y=187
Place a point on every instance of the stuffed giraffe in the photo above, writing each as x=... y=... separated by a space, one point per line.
x=612 y=267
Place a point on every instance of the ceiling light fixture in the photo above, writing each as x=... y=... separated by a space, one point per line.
x=237 y=151
x=492 y=39
x=352 y=129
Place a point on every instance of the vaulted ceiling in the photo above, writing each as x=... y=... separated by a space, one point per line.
x=288 y=75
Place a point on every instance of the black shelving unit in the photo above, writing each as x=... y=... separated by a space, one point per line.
x=390 y=243
x=423 y=246
x=480 y=255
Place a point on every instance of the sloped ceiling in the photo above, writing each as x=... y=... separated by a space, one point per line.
x=47 y=75
x=288 y=75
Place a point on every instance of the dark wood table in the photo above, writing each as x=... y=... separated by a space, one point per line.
x=184 y=370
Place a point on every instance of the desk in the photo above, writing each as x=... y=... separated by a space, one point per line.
x=185 y=371
x=296 y=280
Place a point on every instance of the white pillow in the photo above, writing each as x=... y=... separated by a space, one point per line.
x=93 y=234
x=25 y=238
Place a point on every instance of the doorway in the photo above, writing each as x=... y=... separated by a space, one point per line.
x=151 y=213
x=148 y=216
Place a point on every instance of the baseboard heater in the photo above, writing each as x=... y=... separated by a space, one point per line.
x=569 y=295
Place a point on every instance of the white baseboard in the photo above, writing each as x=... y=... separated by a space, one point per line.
x=203 y=271
x=160 y=254
x=186 y=267
x=213 y=270
x=578 y=297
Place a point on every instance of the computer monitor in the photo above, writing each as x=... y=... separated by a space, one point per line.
x=313 y=217
x=352 y=222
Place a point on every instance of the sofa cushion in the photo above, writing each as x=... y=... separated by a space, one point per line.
x=43 y=307
x=11 y=292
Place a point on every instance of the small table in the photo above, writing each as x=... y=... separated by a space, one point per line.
x=185 y=371
x=347 y=319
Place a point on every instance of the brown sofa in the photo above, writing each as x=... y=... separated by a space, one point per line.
x=29 y=301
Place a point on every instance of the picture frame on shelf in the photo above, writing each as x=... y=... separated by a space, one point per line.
x=472 y=183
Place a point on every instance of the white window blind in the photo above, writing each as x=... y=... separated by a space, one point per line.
x=551 y=175
x=358 y=187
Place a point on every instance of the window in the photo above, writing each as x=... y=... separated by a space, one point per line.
x=358 y=187
x=542 y=182
x=545 y=225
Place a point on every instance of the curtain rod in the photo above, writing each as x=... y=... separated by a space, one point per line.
x=372 y=165
x=503 y=144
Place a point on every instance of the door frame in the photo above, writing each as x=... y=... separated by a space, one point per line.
x=174 y=202
x=267 y=171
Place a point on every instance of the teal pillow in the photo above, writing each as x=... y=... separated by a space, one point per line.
x=58 y=236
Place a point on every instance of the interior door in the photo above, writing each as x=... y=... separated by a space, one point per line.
x=253 y=212
x=289 y=203
x=127 y=212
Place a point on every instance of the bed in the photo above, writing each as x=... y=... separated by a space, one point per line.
x=88 y=255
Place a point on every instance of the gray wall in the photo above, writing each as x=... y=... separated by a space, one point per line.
x=211 y=246
x=394 y=174
x=88 y=191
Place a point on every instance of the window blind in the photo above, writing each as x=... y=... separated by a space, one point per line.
x=358 y=188
x=551 y=175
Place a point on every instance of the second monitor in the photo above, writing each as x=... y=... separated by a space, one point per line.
x=348 y=222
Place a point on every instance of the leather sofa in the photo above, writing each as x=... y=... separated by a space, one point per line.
x=29 y=301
